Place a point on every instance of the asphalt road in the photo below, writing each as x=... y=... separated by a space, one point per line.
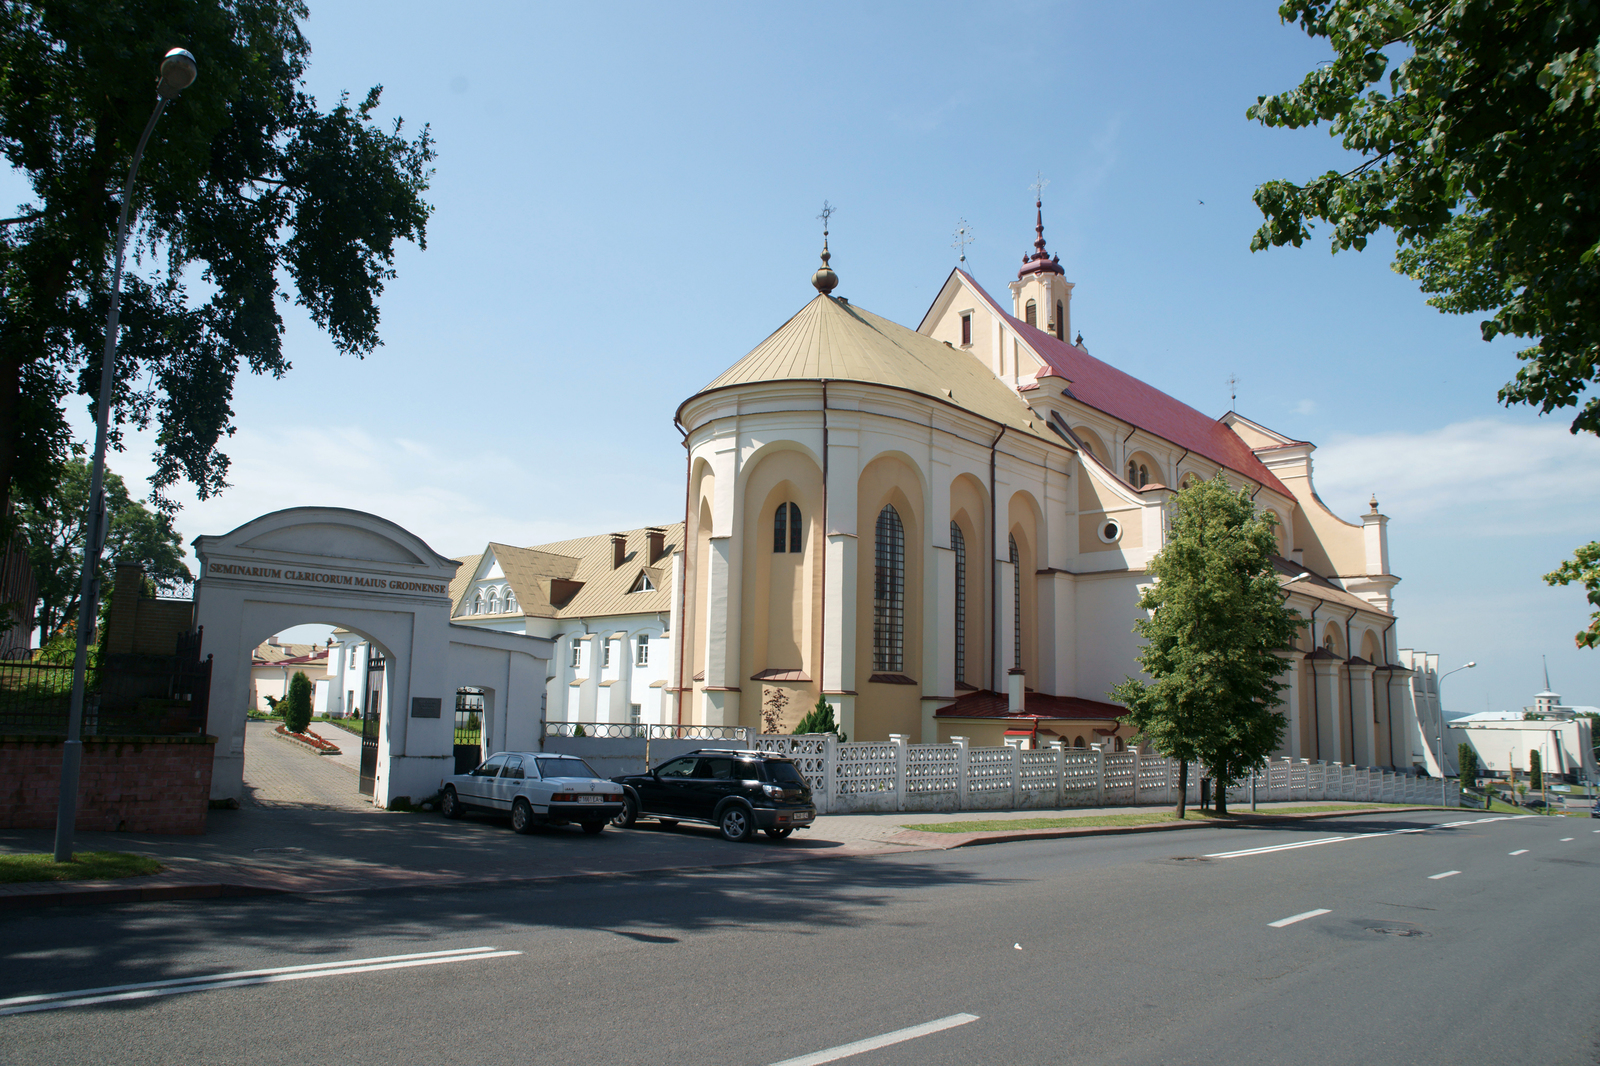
x=1444 y=945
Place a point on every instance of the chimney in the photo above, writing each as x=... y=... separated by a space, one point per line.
x=619 y=549
x=273 y=640
x=658 y=542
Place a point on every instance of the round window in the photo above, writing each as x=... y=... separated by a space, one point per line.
x=1110 y=531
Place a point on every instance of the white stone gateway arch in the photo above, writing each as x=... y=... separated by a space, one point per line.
x=366 y=574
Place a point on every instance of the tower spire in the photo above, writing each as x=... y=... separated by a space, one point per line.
x=825 y=279
x=1041 y=261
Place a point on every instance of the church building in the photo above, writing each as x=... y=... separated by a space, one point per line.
x=944 y=530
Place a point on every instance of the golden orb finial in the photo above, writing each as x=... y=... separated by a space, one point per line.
x=825 y=279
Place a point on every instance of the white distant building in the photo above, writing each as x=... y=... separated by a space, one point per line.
x=1505 y=740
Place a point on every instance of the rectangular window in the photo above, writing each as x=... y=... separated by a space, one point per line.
x=966 y=329
x=577 y=654
x=605 y=658
x=635 y=712
x=642 y=657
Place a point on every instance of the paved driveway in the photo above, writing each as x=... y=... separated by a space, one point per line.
x=286 y=773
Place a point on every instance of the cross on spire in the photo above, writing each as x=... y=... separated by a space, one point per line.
x=825 y=279
x=964 y=237
x=1041 y=261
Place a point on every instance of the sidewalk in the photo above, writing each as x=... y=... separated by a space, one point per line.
x=303 y=828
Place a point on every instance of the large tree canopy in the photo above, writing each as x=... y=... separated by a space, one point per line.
x=53 y=530
x=1215 y=638
x=1478 y=127
x=246 y=186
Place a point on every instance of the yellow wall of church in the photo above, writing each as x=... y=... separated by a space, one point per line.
x=883 y=708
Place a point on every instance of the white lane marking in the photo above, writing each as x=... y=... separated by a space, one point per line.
x=239 y=979
x=1441 y=877
x=1281 y=922
x=1520 y=851
x=872 y=1043
x=1565 y=839
x=1268 y=849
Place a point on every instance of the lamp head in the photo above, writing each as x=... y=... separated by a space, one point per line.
x=1472 y=664
x=178 y=71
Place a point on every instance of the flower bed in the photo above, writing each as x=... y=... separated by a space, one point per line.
x=310 y=740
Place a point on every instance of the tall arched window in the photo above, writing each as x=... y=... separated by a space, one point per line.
x=1061 y=322
x=889 y=594
x=1138 y=474
x=958 y=544
x=1031 y=313
x=1016 y=605
x=786 y=535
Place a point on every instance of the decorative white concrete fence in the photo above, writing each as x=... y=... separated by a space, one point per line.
x=898 y=776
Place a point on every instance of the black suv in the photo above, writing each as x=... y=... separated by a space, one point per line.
x=736 y=791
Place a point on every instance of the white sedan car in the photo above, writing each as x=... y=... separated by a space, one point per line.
x=535 y=789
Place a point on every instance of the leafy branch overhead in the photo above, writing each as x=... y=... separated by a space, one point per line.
x=1477 y=125
x=246 y=185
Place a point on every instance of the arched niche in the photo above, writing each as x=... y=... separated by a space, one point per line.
x=891 y=704
x=782 y=587
x=1092 y=441
x=969 y=510
x=1025 y=524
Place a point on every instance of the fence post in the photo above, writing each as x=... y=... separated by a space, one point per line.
x=828 y=784
x=899 y=742
x=1061 y=770
x=961 y=771
x=1016 y=775
x=1099 y=775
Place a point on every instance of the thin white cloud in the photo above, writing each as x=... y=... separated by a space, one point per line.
x=1485 y=477
x=1305 y=407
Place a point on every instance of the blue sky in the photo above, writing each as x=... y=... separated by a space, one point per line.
x=625 y=205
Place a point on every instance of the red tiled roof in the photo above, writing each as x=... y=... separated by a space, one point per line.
x=1105 y=388
x=1037 y=706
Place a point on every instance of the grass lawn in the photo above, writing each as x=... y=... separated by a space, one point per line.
x=1152 y=818
x=85 y=866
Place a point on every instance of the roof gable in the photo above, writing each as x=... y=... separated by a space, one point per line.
x=1123 y=396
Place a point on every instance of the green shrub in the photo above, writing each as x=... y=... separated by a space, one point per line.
x=577 y=730
x=819 y=719
x=1467 y=760
x=1535 y=770
x=297 y=705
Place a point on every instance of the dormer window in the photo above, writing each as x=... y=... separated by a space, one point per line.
x=477 y=603
x=1030 y=313
x=494 y=601
x=642 y=583
x=511 y=600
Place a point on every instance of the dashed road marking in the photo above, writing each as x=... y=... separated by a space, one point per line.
x=872 y=1043
x=1520 y=851
x=1565 y=839
x=1281 y=922
x=1441 y=877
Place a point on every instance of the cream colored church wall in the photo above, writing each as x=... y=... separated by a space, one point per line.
x=1026 y=525
x=881 y=709
x=698 y=535
x=1107 y=646
x=1332 y=546
x=782 y=591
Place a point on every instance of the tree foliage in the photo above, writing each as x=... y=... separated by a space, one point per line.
x=1467 y=762
x=1215 y=635
x=819 y=719
x=246 y=183
x=1535 y=769
x=1478 y=127
x=52 y=526
x=1584 y=568
x=296 y=705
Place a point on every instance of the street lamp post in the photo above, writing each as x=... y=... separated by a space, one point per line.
x=177 y=74
x=1438 y=688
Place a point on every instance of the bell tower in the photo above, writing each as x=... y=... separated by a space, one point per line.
x=1042 y=296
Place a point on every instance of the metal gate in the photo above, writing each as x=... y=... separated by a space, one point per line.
x=469 y=729
x=371 y=722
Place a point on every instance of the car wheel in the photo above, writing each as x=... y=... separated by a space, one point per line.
x=594 y=828
x=628 y=815
x=736 y=823
x=667 y=823
x=522 y=816
x=450 y=803
x=779 y=834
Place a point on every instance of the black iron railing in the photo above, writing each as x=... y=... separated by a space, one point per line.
x=127 y=695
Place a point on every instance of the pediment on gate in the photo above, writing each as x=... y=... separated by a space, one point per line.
x=335 y=536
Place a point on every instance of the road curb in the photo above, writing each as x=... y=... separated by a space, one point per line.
x=1003 y=837
x=147 y=894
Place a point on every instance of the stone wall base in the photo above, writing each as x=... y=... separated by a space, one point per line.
x=126 y=784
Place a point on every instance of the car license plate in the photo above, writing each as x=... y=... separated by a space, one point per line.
x=590 y=799
x=802 y=817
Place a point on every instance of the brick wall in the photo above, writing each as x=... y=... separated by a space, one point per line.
x=127 y=784
x=139 y=626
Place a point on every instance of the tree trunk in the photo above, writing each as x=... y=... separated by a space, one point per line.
x=1219 y=797
x=1183 y=787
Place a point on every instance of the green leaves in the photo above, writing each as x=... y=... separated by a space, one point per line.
x=1584 y=568
x=1214 y=634
x=245 y=182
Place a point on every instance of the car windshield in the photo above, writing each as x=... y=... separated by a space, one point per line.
x=785 y=773
x=565 y=768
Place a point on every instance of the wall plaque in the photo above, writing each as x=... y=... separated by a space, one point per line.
x=425 y=706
